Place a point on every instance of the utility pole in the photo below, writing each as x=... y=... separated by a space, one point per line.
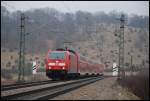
x=131 y=62
x=131 y=65
x=131 y=53
x=146 y=54
x=99 y=44
x=121 y=72
x=100 y=48
x=22 y=49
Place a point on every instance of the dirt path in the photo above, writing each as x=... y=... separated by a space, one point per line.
x=106 y=89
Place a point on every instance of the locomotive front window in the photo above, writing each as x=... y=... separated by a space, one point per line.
x=57 y=55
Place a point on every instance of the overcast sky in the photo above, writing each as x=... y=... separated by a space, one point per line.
x=129 y=7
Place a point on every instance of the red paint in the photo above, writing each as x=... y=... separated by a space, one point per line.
x=81 y=66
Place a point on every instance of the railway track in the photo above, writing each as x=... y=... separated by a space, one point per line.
x=46 y=91
x=25 y=84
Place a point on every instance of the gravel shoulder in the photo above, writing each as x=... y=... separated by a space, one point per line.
x=106 y=89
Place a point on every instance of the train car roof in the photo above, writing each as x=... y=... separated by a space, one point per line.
x=62 y=49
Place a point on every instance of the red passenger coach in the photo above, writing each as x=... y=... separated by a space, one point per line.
x=63 y=63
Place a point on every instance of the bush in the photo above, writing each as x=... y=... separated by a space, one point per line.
x=36 y=58
x=138 y=84
x=14 y=69
x=38 y=62
x=6 y=73
x=11 y=57
x=42 y=64
x=31 y=59
x=8 y=64
x=127 y=64
x=138 y=56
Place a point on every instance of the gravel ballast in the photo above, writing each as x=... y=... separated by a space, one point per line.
x=105 y=89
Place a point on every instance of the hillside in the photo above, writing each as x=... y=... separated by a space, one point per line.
x=92 y=35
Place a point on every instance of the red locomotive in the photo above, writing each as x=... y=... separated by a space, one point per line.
x=65 y=63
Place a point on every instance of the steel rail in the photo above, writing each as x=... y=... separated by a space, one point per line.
x=51 y=91
x=25 y=84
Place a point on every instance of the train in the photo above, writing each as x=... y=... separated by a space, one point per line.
x=63 y=63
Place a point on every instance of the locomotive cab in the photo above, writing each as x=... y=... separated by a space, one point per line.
x=56 y=65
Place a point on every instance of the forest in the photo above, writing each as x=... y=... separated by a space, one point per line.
x=49 y=24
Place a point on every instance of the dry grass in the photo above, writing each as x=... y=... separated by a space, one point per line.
x=30 y=78
x=138 y=84
x=9 y=75
x=6 y=57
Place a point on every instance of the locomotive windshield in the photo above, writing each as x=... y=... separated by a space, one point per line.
x=57 y=55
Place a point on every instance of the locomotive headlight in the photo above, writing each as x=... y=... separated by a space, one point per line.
x=50 y=67
x=51 y=64
x=61 y=64
x=63 y=68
